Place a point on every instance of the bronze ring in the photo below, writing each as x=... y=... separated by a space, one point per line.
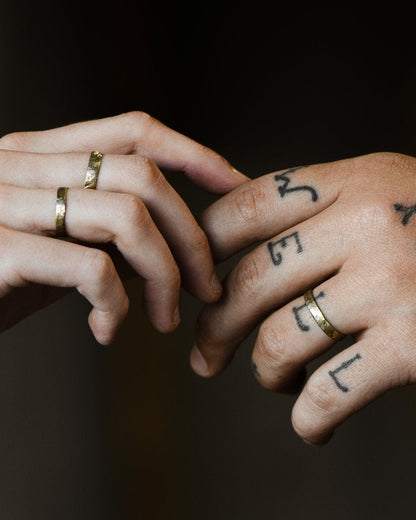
x=319 y=316
x=93 y=170
x=60 y=211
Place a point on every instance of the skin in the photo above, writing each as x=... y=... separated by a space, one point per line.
x=134 y=223
x=348 y=232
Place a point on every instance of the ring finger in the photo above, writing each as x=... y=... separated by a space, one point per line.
x=102 y=217
x=265 y=279
x=136 y=175
x=290 y=338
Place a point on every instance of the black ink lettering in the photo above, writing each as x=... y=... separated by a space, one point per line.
x=284 y=189
x=296 y=312
x=277 y=257
x=408 y=211
x=346 y=364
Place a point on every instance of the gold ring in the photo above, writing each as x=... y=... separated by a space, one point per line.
x=319 y=316
x=93 y=170
x=60 y=211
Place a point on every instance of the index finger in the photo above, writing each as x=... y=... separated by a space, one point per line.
x=134 y=132
x=270 y=204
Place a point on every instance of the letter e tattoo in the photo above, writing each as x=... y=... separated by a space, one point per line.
x=275 y=246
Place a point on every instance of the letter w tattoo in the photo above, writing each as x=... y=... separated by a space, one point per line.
x=284 y=189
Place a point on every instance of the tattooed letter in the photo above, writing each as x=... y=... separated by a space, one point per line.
x=284 y=188
x=408 y=211
x=297 y=313
x=278 y=245
x=344 y=366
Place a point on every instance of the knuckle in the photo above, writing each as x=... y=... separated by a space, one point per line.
x=320 y=396
x=140 y=121
x=390 y=161
x=248 y=203
x=246 y=276
x=13 y=141
x=387 y=164
x=99 y=264
x=270 y=346
x=133 y=210
x=147 y=172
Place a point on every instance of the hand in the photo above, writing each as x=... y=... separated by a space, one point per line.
x=133 y=207
x=346 y=229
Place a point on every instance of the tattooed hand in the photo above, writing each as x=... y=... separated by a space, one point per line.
x=347 y=230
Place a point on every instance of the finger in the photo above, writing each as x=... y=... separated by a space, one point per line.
x=141 y=177
x=135 y=132
x=350 y=381
x=264 y=280
x=290 y=338
x=102 y=217
x=31 y=258
x=270 y=204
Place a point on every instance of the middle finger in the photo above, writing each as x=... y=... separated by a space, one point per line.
x=140 y=177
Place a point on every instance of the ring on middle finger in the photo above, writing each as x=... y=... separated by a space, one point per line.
x=94 y=165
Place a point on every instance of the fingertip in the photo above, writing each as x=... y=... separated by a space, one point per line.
x=102 y=326
x=198 y=362
x=241 y=178
x=167 y=325
x=318 y=443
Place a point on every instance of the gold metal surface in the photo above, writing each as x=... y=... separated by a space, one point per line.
x=93 y=170
x=319 y=317
x=60 y=211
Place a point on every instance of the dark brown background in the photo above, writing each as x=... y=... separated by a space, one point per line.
x=130 y=432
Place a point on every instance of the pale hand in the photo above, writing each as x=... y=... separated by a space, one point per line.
x=134 y=209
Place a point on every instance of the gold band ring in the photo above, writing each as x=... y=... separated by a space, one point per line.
x=60 y=211
x=93 y=170
x=319 y=316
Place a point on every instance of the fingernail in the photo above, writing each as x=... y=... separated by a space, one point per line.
x=255 y=368
x=239 y=174
x=216 y=285
x=198 y=362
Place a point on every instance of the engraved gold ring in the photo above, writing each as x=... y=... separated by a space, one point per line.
x=93 y=170
x=319 y=316
x=60 y=211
